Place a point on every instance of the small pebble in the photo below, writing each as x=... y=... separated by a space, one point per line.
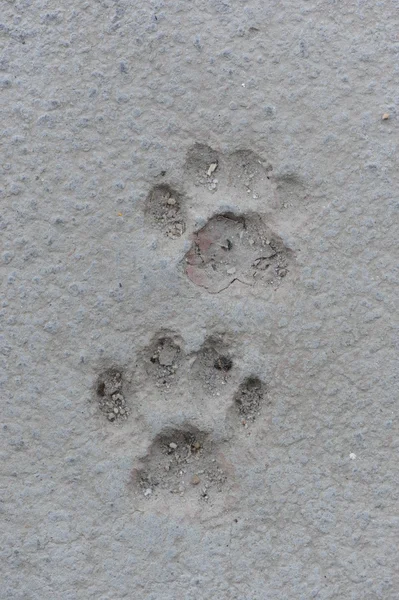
x=148 y=492
x=173 y=445
x=385 y=116
x=212 y=168
x=231 y=271
x=195 y=480
x=171 y=201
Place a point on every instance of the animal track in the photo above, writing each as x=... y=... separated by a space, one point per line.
x=248 y=399
x=212 y=364
x=180 y=461
x=163 y=359
x=186 y=461
x=231 y=247
x=201 y=166
x=110 y=397
x=164 y=210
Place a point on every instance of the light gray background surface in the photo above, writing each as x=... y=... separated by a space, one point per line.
x=97 y=99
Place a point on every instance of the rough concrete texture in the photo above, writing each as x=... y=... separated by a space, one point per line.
x=256 y=457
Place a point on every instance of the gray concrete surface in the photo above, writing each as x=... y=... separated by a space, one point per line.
x=100 y=102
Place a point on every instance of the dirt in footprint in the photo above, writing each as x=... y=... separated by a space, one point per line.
x=202 y=166
x=163 y=360
x=212 y=365
x=249 y=399
x=111 y=400
x=231 y=247
x=249 y=174
x=180 y=462
x=164 y=210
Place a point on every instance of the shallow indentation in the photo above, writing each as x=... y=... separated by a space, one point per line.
x=290 y=191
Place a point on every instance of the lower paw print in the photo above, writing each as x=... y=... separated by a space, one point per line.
x=180 y=461
x=111 y=400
